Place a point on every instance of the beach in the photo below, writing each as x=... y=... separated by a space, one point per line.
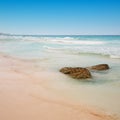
x=31 y=86
x=24 y=95
x=59 y=59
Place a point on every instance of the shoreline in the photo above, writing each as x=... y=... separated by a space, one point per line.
x=25 y=94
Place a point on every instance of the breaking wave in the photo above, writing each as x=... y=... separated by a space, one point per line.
x=67 y=44
x=56 y=40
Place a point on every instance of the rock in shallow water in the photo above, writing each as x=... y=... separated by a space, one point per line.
x=76 y=72
x=83 y=73
x=99 y=67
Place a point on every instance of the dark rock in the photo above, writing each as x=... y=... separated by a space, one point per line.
x=77 y=72
x=99 y=67
x=66 y=70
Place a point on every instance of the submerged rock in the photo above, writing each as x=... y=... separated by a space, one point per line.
x=99 y=67
x=76 y=72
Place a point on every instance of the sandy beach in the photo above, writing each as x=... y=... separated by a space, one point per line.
x=25 y=94
x=59 y=59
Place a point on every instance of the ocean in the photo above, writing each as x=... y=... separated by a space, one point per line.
x=52 y=52
x=106 y=45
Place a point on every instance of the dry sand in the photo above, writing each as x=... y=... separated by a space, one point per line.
x=25 y=95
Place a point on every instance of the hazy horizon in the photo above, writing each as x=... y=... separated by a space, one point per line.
x=1 y=33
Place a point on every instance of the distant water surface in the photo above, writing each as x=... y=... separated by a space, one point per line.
x=36 y=45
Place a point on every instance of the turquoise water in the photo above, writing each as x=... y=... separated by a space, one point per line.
x=54 y=52
x=59 y=51
x=35 y=46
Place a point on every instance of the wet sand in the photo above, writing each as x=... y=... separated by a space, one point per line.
x=25 y=94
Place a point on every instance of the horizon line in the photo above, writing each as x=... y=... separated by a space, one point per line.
x=58 y=34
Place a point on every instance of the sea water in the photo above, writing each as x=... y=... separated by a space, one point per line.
x=54 y=52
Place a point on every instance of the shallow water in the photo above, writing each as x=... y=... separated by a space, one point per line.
x=53 y=52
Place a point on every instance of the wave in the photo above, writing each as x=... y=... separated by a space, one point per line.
x=83 y=50
x=54 y=40
x=66 y=44
x=115 y=56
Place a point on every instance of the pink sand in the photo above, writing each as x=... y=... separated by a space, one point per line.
x=25 y=95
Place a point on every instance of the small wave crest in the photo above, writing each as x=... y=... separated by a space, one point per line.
x=84 y=50
x=54 y=40
x=115 y=56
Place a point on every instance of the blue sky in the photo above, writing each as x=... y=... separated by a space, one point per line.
x=60 y=16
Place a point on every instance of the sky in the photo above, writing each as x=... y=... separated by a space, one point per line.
x=60 y=17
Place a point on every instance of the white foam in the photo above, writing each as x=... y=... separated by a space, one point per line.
x=83 y=42
x=56 y=40
x=71 y=44
x=49 y=48
x=115 y=56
